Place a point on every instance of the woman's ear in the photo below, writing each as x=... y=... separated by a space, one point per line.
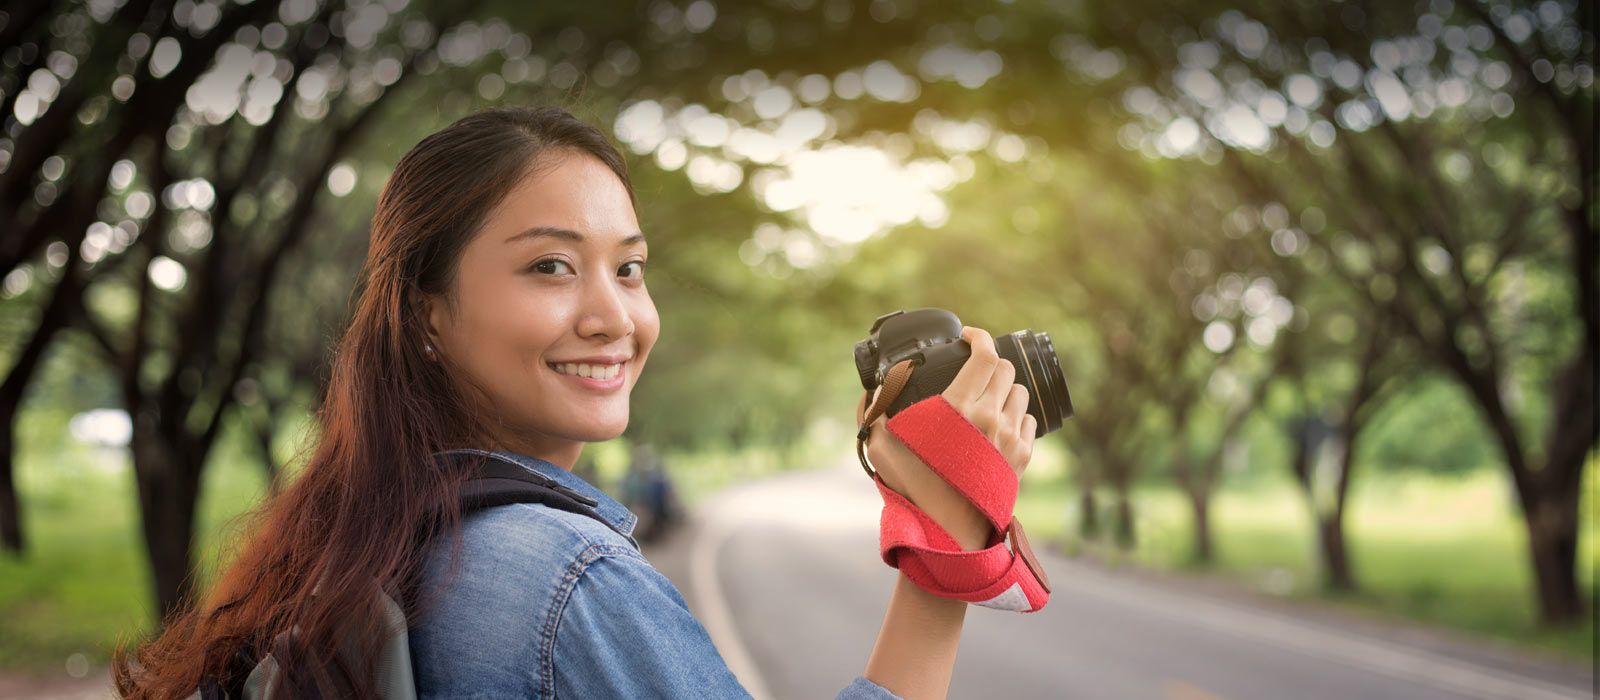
x=433 y=313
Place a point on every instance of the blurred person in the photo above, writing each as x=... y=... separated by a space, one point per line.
x=503 y=308
x=648 y=491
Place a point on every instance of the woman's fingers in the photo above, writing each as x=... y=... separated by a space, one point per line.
x=985 y=392
x=1030 y=428
x=1016 y=436
x=979 y=389
x=998 y=392
x=1016 y=407
x=973 y=377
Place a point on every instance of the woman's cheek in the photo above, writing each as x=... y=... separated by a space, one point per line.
x=648 y=324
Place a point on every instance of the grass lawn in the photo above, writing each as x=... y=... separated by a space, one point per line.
x=83 y=584
x=1449 y=551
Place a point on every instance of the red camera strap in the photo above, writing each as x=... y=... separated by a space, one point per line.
x=1002 y=577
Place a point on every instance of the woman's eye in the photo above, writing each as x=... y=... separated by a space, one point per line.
x=632 y=270
x=552 y=267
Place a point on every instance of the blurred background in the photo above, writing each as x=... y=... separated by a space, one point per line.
x=1322 y=275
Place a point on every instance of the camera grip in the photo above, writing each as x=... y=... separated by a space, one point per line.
x=938 y=368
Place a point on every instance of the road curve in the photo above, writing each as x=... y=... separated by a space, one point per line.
x=786 y=577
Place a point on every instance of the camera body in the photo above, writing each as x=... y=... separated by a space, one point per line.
x=931 y=339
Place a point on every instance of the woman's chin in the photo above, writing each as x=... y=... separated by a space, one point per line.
x=609 y=430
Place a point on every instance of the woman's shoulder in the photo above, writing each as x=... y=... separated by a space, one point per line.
x=497 y=597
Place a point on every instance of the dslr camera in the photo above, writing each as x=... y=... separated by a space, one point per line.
x=931 y=339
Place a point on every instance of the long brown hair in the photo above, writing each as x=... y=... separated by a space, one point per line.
x=372 y=497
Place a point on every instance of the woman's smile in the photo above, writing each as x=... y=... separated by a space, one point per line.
x=603 y=374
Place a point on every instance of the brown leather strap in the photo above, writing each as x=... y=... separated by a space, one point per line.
x=893 y=381
x=1021 y=548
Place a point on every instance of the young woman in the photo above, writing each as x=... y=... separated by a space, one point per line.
x=504 y=310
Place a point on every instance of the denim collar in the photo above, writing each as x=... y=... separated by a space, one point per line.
x=617 y=515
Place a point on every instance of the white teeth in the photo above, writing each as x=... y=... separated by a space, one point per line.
x=600 y=372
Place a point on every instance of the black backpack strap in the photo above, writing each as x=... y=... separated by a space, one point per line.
x=211 y=690
x=230 y=684
x=499 y=481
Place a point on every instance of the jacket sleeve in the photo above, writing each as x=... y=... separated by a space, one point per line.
x=624 y=631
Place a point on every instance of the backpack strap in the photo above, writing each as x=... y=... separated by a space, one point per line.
x=499 y=481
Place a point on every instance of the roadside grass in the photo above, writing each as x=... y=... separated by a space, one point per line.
x=1441 y=550
x=1446 y=551
x=82 y=586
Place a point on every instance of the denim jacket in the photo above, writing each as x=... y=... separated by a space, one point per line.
x=549 y=604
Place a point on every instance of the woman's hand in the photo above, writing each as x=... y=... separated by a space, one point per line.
x=916 y=649
x=984 y=393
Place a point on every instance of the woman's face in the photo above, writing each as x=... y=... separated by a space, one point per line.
x=549 y=322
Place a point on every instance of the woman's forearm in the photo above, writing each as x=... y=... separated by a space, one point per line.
x=916 y=649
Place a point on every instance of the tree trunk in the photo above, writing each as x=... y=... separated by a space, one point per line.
x=1552 y=523
x=168 y=492
x=1336 y=572
x=1124 y=533
x=64 y=299
x=1088 y=506
x=1549 y=496
x=1551 y=507
x=1200 y=505
x=1199 y=481
x=10 y=509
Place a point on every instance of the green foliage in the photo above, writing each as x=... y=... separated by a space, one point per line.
x=1431 y=427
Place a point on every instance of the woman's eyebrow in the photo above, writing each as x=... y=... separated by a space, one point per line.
x=552 y=231
x=567 y=235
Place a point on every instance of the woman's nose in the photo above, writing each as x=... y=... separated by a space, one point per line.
x=604 y=311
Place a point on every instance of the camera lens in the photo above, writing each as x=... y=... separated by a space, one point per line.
x=1039 y=371
x=1055 y=380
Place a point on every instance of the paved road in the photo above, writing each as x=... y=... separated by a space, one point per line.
x=785 y=575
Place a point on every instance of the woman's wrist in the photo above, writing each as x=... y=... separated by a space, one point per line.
x=916 y=650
